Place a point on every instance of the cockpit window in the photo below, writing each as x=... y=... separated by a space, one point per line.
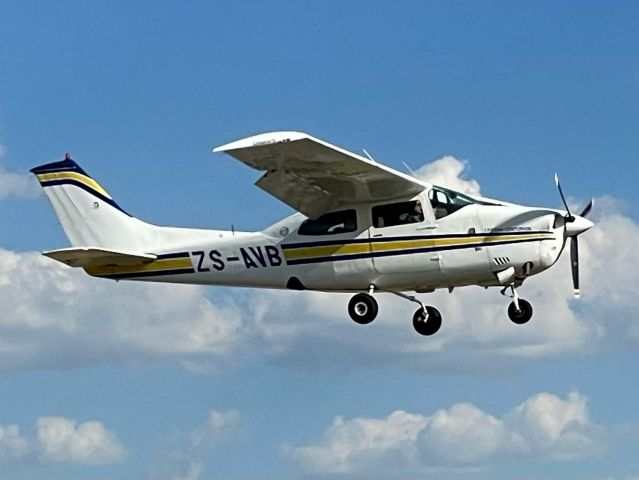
x=330 y=223
x=399 y=213
x=445 y=202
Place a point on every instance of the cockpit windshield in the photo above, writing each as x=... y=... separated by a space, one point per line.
x=445 y=202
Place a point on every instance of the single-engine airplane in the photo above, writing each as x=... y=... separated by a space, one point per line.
x=361 y=227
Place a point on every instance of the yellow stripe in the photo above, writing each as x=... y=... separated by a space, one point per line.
x=168 y=264
x=326 y=251
x=399 y=245
x=88 y=181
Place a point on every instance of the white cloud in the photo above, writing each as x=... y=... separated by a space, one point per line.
x=555 y=428
x=544 y=427
x=16 y=184
x=182 y=456
x=13 y=446
x=464 y=435
x=55 y=316
x=64 y=441
x=362 y=444
x=61 y=441
x=447 y=172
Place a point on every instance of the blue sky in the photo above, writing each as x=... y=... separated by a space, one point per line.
x=286 y=386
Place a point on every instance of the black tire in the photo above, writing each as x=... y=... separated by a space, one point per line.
x=523 y=315
x=429 y=326
x=363 y=308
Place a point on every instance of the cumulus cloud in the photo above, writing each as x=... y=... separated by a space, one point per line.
x=64 y=441
x=16 y=184
x=544 y=427
x=448 y=172
x=13 y=446
x=55 y=316
x=61 y=441
x=361 y=444
x=182 y=456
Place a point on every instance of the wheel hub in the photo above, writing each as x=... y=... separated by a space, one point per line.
x=361 y=309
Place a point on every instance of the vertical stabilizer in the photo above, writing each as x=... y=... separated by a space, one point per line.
x=87 y=213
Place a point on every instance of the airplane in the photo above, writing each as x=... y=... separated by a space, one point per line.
x=360 y=227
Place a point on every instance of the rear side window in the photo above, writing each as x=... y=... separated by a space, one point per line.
x=331 y=223
x=399 y=213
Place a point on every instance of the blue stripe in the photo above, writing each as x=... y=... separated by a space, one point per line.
x=161 y=273
x=173 y=255
x=62 y=166
x=86 y=188
x=411 y=251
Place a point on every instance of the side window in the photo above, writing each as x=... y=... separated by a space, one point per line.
x=400 y=213
x=330 y=223
x=445 y=202
x=440 y=203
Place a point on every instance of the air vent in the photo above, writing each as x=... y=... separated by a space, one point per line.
x=501 y=260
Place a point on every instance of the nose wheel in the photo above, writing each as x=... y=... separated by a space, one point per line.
x=522 y=314
x=520 y=311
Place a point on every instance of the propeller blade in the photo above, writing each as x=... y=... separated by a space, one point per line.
x=574 y=264
x=587 y=208
x=569 y=217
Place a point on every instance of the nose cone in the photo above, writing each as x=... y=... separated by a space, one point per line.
x=580 y=225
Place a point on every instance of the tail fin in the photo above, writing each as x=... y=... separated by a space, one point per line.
x=88 y=214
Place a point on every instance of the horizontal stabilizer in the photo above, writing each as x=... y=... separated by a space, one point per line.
x=98 y=257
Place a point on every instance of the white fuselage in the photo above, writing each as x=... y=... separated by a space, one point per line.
x=467 y=247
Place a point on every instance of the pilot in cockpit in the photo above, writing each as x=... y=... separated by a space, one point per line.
x=414 y=216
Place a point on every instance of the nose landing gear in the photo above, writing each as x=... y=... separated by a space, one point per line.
x=519 y=311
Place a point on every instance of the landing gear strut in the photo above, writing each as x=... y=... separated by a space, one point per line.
x=426 y=320
x=519 y=311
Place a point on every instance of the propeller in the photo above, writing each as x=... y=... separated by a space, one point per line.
x=573 y=227
x=569 y=217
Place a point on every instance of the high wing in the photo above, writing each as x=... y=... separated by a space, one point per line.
x=313 y=176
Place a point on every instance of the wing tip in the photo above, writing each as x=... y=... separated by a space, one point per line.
x=262 y=139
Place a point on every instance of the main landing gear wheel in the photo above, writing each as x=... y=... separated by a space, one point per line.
x=362 y=308
x=521 y=315
x=427 y=323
